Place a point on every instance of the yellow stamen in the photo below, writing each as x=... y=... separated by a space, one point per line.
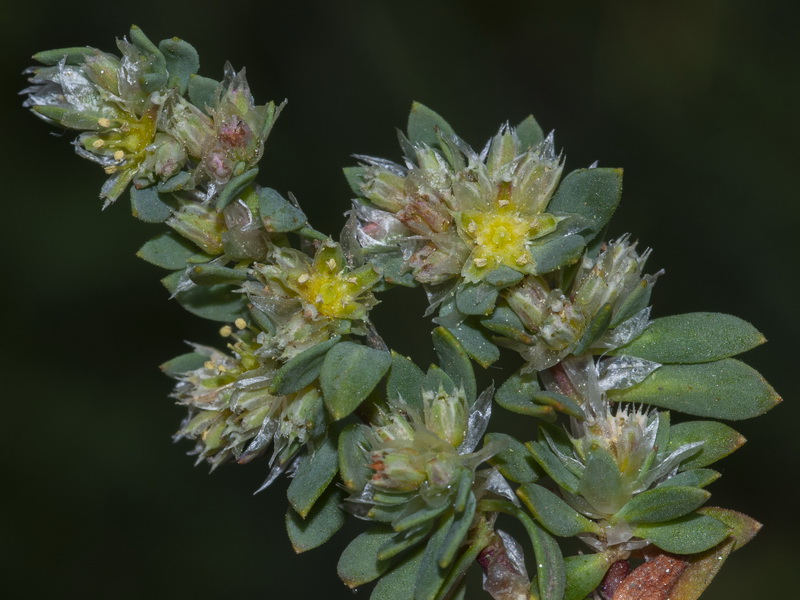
x=240 y=323
x=225 y=331
x=103 y=122
x=119 y=155
x=303 y=278
x=98 y=143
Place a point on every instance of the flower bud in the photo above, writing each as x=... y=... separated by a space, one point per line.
x=201 y=224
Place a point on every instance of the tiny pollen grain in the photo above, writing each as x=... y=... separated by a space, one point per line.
x=225 y=331
x=208 y=364
x=521 y=260
x=331 y=264
x=352 y=280
x=240 y=323
x=472 y=227
x=98 y=143
x=480 y=262
x=103 y=122
x=119 y=155
x=303 y=278
x=110 y=170
x=503 y=202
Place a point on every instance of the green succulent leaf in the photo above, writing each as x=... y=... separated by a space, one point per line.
x=324 y=520
x=529 y=133
x=149 y=206
x=349 y=373
x=476 y=298
x=476 y=344
x=405 y=381
x=689 y=534
x=505 y=322
x=591 y=193
x=177 y=182
x=517 y=395
x=167 y=250
x=402 y=541
x=424 y=126
x=234 y=188
x=503 y=277
x=209 y=274
x=743 y=528
x=724 y=389
x=555 y=515
x=551 y=573
x=359 y=563
x=354 y=175
x=601 y=483
x=213 y=302
x=301 y=370
x=203 y=92
x=399 y=584
x=553 y=466
x=718 y=439
x=556 y=251
x=584 y=573
x=70 y=56
x=693 y=477
x=314 y=473
x=149 y=49
x=457 y=533
x=278 y=214
x=636 y=300
x=515 y=463
x=662 y=504
x=431 y=575
x=67 y=117
x=182 y=62
x=436 y=378
x=693 y=338
x=353 y=468
x=183 y=364
x=455 y=362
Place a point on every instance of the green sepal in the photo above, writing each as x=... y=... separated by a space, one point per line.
x=209 y=274
x=693 y=477
x=476 y=344
x=183 y=364
x=213 y=302
x=354 y=177
x=359 y=563
x=560 y=402
x=324 y=520
x=529 y=133
x=430 y=575
x=635 y=302
x=476 y=298
x=149 y=206
x=278 y=214
x=399 y=583
x=405 y=381
x=403 y=540
x=515 y=463
x=457 y=533
x=591 y=193
x=687 y=535
x=662 y=504
x=436 y=378
x=349 y=373
x=584 y=573
x=418 y=517
x=506 y=323
x=261 y=319
x=301 y=370
x=393 y=268
x=353 y=468
x=596 y=328
x=555 y=515
x=556 y=251
x=743 y=528
x=455 y=362
x=314 y=473
x=724 y=389
x=182 y=62
x=425 y=126
x=553 y=466
x=601 y=483
x=71 y=56
x=168 y=250
x=234 y=188
x=176 y=183
x=718 y=439
x=693 y=338
x=204 y=92
x=149 y=49
x=517 y=394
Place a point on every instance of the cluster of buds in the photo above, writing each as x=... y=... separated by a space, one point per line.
x=308 y=300
x=605 y=307
x=451 y=212
x=234 y=415
x=136 y=120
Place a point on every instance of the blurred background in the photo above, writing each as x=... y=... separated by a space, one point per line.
x=697 y=100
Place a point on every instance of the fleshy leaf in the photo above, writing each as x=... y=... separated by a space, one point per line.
x=150 y=206
x=693 y=477
x=405 y=381
x=278 y=213
x=349 y=373
x=558 y=517
x=662 y=504
x=167 y=250
x=725 y=389
x=455 y=362
x=182 y=62
x=359 y=562
x=718 y=439
x=476 y=344
x=743 y=528
x=183 y=363
x=687 y=535
x=591 y=193
x=694 y=338
x=424 y=125
x=324 y=520
x=302 y=369
x=584 y=573
x=314 y=473
x=529 y=133
x=399 y=583
x=515 y=462
x=353 y=469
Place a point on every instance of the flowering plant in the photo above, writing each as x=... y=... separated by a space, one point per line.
x=511 y=256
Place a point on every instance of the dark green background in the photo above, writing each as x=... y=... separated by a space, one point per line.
x=697 y=100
